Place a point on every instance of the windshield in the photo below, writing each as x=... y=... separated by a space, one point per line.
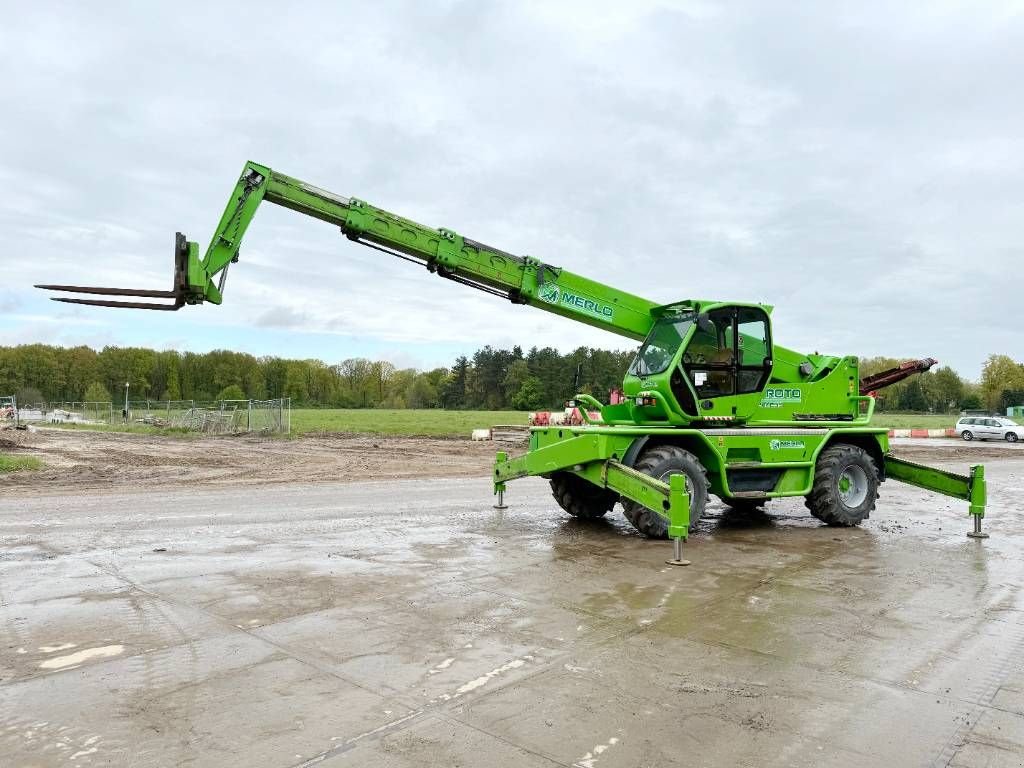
x=661 y=344
x=1009 y=423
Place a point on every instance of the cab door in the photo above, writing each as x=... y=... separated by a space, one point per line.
x=728 y=360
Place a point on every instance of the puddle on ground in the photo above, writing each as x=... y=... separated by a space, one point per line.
x=73 y=659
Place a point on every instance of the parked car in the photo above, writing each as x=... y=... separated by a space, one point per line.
x=989 y=428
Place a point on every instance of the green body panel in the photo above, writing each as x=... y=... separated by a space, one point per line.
x=730 y=455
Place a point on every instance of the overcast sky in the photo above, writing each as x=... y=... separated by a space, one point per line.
x=859 y=167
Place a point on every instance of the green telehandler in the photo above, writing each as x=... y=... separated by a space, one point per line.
x=712 y=405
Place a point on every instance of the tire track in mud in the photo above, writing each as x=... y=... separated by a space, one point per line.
x=1003 y=656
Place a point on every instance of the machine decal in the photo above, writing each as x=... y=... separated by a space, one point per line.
x=549 y=292
x=774 y=397
x=779 y=445
x=553 y=294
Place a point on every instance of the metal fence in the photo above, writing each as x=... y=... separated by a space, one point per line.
x=220 y=418
x=77 y=412
x=236 y=416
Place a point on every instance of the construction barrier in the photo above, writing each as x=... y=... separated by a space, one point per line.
x=569 y=417
x=922 y=433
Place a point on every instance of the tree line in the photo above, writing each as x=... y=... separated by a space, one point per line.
x=491 y=379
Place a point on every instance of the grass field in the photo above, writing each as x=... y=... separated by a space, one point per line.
x=431 y=423
x=15 y=463
x=914 y=420
x=437 y=423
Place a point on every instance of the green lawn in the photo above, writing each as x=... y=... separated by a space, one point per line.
x=461 y=423
x=433 y=423
x=15 y=463
x=438 y=423
x=914 y=420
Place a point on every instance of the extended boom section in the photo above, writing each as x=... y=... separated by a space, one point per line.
x=520 y=279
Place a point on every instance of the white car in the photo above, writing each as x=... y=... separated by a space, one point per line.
x=989 y=428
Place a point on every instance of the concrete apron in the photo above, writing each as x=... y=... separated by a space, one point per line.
x=410 y=624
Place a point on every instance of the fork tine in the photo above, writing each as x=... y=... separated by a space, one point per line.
x=124 y=304
x=141 y=293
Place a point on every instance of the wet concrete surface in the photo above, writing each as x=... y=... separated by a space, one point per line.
x=408 y=623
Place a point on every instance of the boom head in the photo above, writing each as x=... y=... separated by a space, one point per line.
x=187 y=286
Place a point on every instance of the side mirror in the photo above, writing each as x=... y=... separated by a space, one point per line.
x=704 y=323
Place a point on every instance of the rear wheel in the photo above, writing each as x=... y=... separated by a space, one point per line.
x=663 y=461
x=845 y=486
x=581 y=498
x=967 y=435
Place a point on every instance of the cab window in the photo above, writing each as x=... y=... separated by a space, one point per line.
x=729 y=353
x=754 y=350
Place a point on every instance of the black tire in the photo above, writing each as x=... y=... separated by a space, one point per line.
x=967 y=435
x=744 y=505
x=1011 y=437
x=581 y=498
x=660 y=462
x=845 y=486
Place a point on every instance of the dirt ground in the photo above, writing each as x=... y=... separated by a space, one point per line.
x=102 y=460
x=82 y=460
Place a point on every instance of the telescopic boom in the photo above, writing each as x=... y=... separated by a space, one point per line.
x=521 y=279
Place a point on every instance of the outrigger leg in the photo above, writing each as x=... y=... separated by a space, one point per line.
x=970 y=488
x=594 y=460
x=499 y=486
x=678 y=518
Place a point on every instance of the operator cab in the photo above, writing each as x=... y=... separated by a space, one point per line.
x=698 y=358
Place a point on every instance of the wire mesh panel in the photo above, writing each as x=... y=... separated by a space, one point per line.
x=80 y=412
x=157 y=413
x=223 y=417
x=268 y=416
x=236 y=416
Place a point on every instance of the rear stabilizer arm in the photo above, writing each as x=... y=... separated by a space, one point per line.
x=970 y=488
x=589 y=457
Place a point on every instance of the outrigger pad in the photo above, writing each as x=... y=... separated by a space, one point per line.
x=178 y=291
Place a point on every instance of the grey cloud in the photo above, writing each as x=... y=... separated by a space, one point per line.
x=857 y=166
x=281 y=317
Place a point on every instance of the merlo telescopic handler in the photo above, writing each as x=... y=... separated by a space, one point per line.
x=712 y=405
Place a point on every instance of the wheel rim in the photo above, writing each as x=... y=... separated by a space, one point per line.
x=1010 y=437
x=967 y=436
x=853 y=486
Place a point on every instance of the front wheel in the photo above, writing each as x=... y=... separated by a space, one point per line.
x=845 y=486
x=967 y=435
x=663 y=461
x=581 y=498
x=1011 y=437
